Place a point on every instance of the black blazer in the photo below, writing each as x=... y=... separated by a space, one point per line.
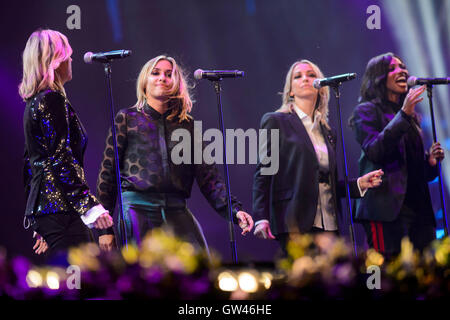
x=288 y=199
x=55 y=141
x=381 y=133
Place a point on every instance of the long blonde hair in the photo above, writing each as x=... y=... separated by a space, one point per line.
x=44 y=52
x=180 y=101
x=323 y=96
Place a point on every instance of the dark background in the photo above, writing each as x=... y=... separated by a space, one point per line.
x=263 y=38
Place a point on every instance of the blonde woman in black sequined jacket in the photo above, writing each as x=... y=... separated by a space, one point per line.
x=60 y=208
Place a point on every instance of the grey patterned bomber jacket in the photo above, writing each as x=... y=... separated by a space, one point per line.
x=145 y=145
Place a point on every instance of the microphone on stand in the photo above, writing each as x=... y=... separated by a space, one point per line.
x=106 y=56
x=217 y=74
x=333 y=81
x=413 y=81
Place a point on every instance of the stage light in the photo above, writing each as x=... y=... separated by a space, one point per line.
x=266 y=279
x=227 y=282
x=52 y=280
x=248 y=282
x=34 y=279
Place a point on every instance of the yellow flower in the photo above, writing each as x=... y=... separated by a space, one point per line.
x=130 y=254
x=374 y=258
x=85 y=256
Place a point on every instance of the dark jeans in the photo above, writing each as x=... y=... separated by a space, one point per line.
x=62 y=231
x=144 y=211
x=386 y=237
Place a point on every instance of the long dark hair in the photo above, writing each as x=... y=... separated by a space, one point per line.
x=373 y=86
x=374 y=79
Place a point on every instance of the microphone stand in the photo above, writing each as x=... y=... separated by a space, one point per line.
x=225 y=168
x=441 y=185
x=335 y=88
x=120 y=216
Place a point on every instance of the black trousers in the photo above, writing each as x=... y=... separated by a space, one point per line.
x=62 y=231
x=144 y=212
x=386 y=237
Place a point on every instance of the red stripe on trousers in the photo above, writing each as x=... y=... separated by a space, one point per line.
x=374 y=235
x=380 y=236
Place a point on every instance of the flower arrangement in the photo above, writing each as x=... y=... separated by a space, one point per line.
x=324 y=267
x=164 y=267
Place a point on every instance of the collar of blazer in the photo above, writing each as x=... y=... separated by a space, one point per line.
x=330 y=137
x=299 y=128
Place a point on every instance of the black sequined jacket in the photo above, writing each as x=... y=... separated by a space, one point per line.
x=55 y=141
x=145 y=145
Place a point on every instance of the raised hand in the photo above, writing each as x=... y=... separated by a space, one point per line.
x=412 y=98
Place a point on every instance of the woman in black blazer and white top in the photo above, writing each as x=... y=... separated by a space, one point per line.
x=302 y=197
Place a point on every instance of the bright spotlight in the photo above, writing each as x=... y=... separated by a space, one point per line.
x=248 y=282
x=227 y=282
x=266 y=279
x=34 y=279
x=52 y=280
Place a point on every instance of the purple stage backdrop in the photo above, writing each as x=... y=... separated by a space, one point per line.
x=262 y=38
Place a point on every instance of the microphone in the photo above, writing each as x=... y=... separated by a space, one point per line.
x=106 y=56
x=413 y=81
x=217 y=74
x=333 y=81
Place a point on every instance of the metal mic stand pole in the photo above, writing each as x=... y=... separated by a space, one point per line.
x=120 y=217
x=345 y=168
x=441 y=186
x=225 y=168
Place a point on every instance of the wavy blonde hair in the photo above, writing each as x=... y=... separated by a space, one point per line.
x=323 y=96
x=179 y=96
x=44 y=52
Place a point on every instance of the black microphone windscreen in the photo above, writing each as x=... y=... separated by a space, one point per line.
x=316 y=84
x=88 y=57
x=411 y=81
x=198 y=74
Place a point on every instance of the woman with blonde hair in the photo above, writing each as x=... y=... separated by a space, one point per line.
x=154 y=188
x=302 y=197
x=60 y=207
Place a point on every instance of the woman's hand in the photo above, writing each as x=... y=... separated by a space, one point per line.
x=262 y=230
x=245 y=222
x=412 y=98
x=436 y=154
x=107 y=242
x=370 y=180
x=41 y=245
x=104 y=221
